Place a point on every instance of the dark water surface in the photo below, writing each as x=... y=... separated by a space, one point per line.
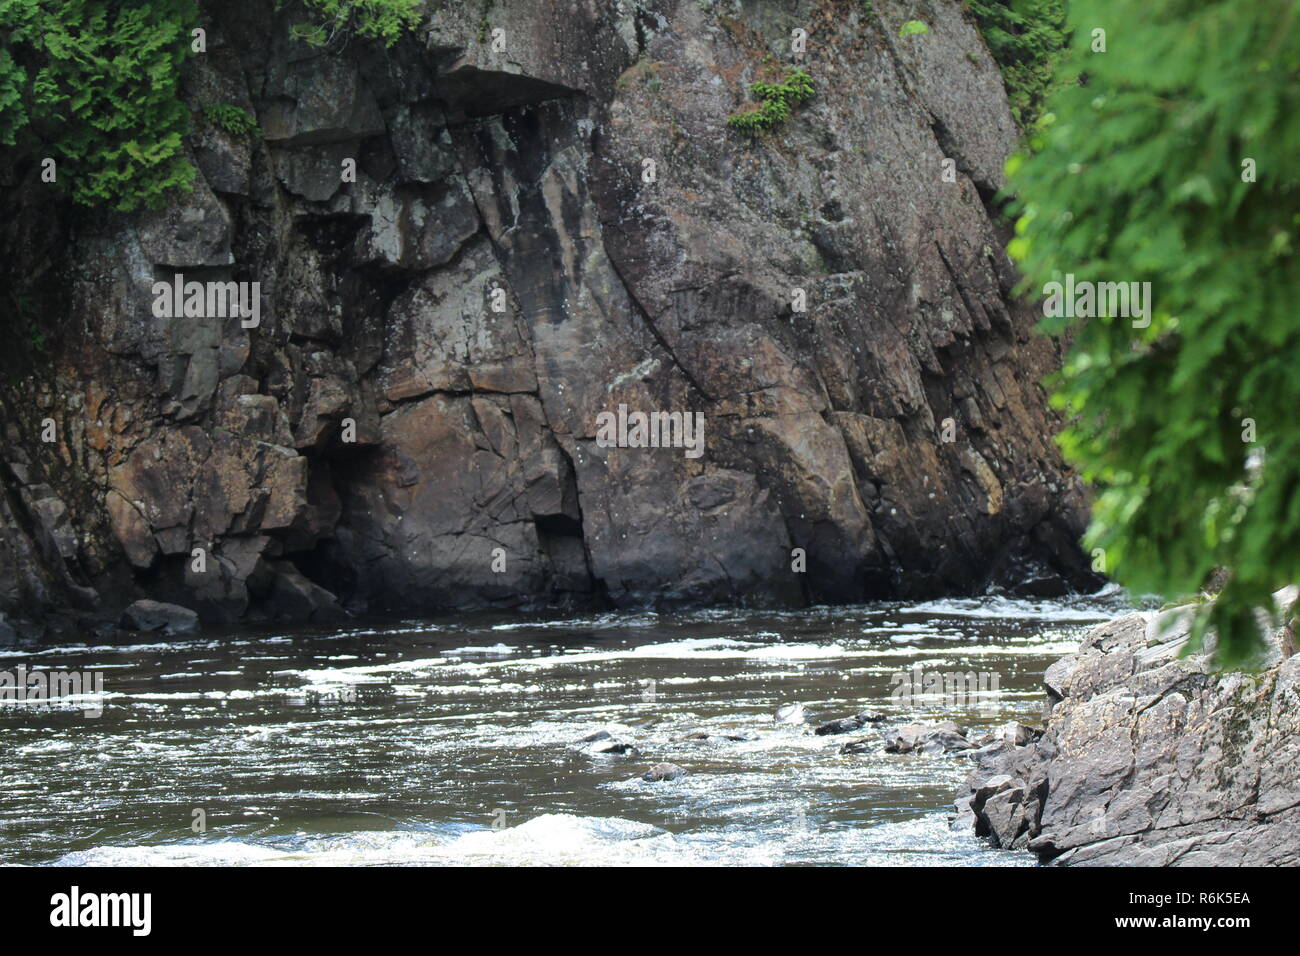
x=453 y=742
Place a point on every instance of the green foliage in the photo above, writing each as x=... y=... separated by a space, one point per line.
x=231 y=118
x=92 y=84
x=1027 y=39
x=1137 y=176
x=13 y=110
x=772 y=102
x=912 y=28
x=384 y=20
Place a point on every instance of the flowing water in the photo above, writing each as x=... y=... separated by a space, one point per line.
x=454 y=742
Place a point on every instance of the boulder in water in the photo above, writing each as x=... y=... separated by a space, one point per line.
x=929 y=739
x=1011 y=734
x=846 y=725
x=160 y=616
x=843 y=725
x=602 y=743
x=663 y=771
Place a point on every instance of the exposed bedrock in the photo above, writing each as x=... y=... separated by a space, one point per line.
x=1150 y=758
x=535 y=236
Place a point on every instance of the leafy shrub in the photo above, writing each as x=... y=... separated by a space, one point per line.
x=912 y=28
x=384 y=20
x=1027 y=38
x=93 y=85
x=230 y=118
x=1141 y=176
x=772 y=102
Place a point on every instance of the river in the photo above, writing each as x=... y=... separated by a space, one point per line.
x=456 y=741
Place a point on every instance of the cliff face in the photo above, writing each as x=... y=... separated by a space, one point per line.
x=538 y=234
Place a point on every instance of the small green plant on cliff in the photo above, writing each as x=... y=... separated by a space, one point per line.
x=772 y=102
x=332 y=20
x=231 y=118
x=93 y=86
x=1174 y=165
x=912 y=28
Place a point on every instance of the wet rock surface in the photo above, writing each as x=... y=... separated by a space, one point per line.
x=411 y=426
x=1149 y=758
x=602 y=743
x=156 y=616
x=846 y=725
x=663 y=771
x=924 y=738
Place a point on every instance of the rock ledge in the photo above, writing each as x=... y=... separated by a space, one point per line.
x=1149 y=759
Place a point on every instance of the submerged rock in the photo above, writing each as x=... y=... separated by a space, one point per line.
x=663 y=771
x=846 y=725
x=1150 y=759
x=602 y=743
x=705 y=736
x=866 y=745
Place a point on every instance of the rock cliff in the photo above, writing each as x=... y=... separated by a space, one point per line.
x=550 y=218
x=1151 y=759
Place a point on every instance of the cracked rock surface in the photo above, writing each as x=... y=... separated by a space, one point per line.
x=412 y=426
x=1150 y=759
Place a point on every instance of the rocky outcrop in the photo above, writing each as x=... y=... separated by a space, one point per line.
x=549 y=219
x=1150 y=758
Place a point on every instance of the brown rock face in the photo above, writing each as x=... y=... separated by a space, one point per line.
x=537 y=234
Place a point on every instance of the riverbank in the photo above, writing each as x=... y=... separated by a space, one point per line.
x=1151 y=759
